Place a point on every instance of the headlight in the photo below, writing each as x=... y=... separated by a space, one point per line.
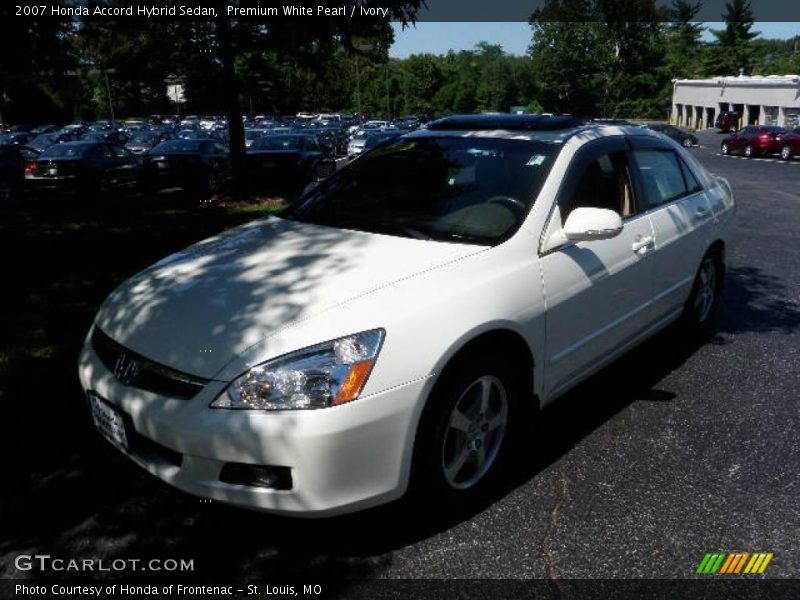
x=324 y=375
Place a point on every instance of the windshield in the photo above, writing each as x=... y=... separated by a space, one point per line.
x=278 y=142
x=65 y=151
x=144 y=138
x=468 y=190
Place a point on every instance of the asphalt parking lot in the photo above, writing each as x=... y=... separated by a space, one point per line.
x=677 y=450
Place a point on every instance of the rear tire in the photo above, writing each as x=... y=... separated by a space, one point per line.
x=466 y=432
x=701 y=307
x=687 y=143
x=103 y=186
x=6 y=191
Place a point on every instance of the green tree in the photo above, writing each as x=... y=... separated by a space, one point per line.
x=570 y=53
x=684 y=48
x=732 y=50
x=34 y=70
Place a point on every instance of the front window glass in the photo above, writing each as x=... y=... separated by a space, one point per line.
x=467 y=190
x=604 y=183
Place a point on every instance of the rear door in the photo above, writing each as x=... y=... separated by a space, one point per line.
x=126 y=167
x=680 y=213
x=597 y=292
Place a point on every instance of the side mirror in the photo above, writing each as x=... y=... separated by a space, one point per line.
x=310 y=187
x=585 y=223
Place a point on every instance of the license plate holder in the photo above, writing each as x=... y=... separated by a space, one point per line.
x=109 y=421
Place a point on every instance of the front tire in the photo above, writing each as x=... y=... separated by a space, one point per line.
x=748 y=151
x=687 y=143
x=466 y=432
x=786 y=153
x=725 y=149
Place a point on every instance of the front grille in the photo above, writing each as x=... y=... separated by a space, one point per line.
x=134 y=370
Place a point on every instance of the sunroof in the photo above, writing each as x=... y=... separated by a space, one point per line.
x=507 y=121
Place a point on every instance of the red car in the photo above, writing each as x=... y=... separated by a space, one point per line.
x=790 y=144
x=754 y=140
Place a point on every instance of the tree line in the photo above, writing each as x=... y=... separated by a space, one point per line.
x=586 y=57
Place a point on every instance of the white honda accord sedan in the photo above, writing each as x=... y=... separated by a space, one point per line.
x=392 y=329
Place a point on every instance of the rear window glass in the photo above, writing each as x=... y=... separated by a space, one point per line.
x=661 y=176
x=178 y=146
x=66 y=151
x=282 y=142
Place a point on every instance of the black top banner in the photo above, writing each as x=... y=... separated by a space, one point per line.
x=395 y=10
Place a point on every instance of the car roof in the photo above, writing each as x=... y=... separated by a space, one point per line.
x=83 y=143
x=544 y=128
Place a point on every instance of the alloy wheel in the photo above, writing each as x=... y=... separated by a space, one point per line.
x=786 y=153
x=748 y=151
x=474 y=432
x=725 y=148
x=706 y=290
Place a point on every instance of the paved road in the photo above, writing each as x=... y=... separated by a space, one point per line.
x=675 y=451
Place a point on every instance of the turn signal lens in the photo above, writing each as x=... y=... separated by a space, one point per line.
x=354 y=382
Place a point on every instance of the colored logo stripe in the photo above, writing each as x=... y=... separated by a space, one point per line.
x=758 y=563
x=711 y=562
x=733 y=563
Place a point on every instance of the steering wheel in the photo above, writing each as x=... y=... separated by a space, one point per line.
x=515 y=205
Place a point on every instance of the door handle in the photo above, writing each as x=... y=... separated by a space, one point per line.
x=642 y=243
x=701 y=211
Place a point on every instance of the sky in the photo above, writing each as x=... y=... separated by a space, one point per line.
x=438 y=38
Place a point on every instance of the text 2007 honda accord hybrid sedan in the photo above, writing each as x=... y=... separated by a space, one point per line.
x=392 y=329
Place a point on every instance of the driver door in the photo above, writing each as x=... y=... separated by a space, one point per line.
x=598 y=292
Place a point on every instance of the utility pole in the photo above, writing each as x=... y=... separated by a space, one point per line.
x=108 y=92
x=104 y=72
x=362 y=48
x=388 y=112
x=358 y=90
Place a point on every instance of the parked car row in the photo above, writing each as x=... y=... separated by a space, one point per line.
x=191 y=153
x=756 y=140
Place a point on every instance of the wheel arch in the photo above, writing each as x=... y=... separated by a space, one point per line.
x=718 y=249
x=497 y=338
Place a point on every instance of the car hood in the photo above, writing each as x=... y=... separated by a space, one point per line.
x=198 y=309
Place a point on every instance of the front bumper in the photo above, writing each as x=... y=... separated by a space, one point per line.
x=341 y=459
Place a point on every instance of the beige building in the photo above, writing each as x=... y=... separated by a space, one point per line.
x=760 y=100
